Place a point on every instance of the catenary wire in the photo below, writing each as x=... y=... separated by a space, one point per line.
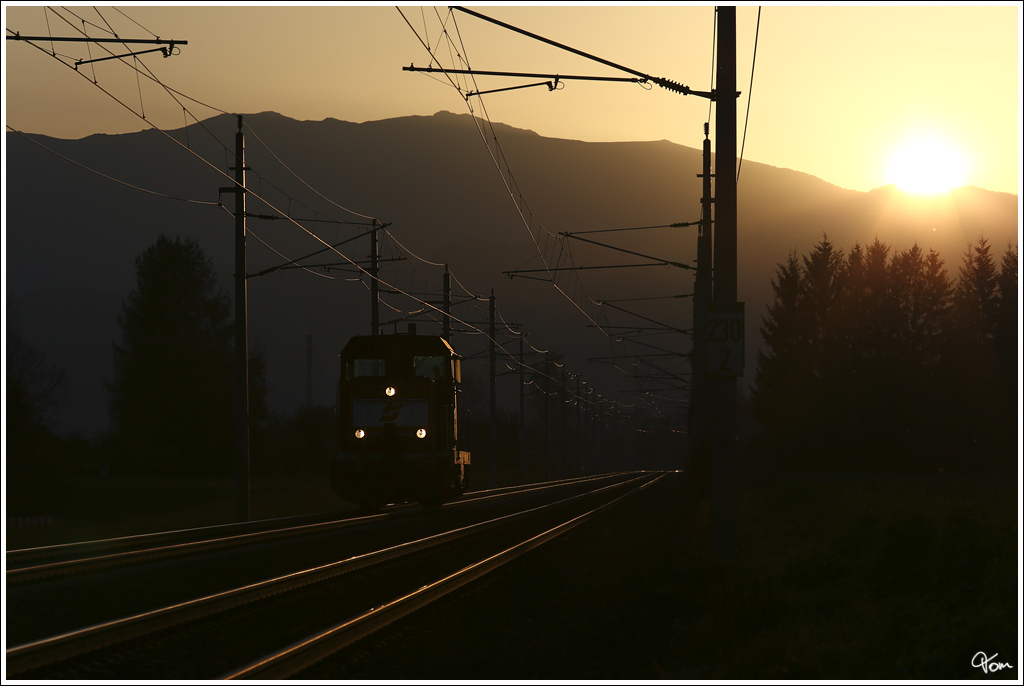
x=107 y=176
x=119 y=101
x=563 y=251
x=750 y=91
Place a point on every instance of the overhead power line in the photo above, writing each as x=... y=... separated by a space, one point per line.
x=750 y=91
x=107 y=176
x=508 y=180
x=427 y=306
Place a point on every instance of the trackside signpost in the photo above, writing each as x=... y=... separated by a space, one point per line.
x=725 y=337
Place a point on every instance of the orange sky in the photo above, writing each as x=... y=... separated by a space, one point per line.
x=836 y=89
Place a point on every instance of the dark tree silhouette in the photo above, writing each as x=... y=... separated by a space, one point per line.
x=172 y=391
x=985 y=373
x=821 y=311
x=878 y=361
x=821 y=289
x=868 y=368
x=922 y=298
x=35 y=388
x=975 y=299
x=783 y=369
x=1008 y=316
x=33 y=454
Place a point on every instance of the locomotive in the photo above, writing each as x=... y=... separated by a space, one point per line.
x=397 y=422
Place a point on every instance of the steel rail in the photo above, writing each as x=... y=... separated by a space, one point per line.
x=88 y=564
x=314 y=648
x=24 y=557
x=74 y=643
x=168 y=544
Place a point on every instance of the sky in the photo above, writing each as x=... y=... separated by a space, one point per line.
x=859 y=95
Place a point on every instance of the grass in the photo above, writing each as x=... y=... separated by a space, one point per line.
x=857 y=578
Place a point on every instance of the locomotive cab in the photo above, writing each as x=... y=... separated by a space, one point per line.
x=398 y=422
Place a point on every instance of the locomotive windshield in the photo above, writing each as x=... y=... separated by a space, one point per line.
x=431 y=366
x=363 y=367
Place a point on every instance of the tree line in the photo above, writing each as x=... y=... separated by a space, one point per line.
x=875 y=359
x=879 y=360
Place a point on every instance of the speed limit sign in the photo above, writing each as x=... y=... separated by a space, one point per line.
x=725 y=334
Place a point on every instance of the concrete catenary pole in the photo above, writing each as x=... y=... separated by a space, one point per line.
x=701 y=298
x=309 y=371
x=723 y=388
x=374 y=285
x=493 y=399
x=241 y=338
x=522 y=413
x=446 y=332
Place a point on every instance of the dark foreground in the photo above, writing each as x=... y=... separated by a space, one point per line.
x=836 y=577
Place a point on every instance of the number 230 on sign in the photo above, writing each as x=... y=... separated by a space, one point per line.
x=725 y=336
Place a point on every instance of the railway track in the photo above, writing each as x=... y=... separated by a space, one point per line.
x=32 y=564
x=347 y=579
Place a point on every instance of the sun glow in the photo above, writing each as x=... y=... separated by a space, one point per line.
x=927 y=165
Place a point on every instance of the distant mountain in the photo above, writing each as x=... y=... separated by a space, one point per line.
x=72 y=237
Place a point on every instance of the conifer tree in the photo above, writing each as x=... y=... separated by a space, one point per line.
x=1007 y=313
x=781 y=379
x=975 y=295
x=172 y=391
x=935 y=310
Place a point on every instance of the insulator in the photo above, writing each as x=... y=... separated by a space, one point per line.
x=673 y=86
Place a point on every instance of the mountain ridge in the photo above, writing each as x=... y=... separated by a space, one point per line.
x=70 y=262
x=500 y=125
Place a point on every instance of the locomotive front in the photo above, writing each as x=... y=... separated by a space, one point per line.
x=398 y=422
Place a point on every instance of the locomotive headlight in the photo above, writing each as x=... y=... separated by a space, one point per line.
x=389 y=391
x=421 y=433
x=360 y=433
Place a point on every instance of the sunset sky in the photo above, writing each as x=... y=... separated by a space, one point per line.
x=851 y=94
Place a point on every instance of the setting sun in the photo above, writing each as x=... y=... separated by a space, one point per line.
x=927 y=165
